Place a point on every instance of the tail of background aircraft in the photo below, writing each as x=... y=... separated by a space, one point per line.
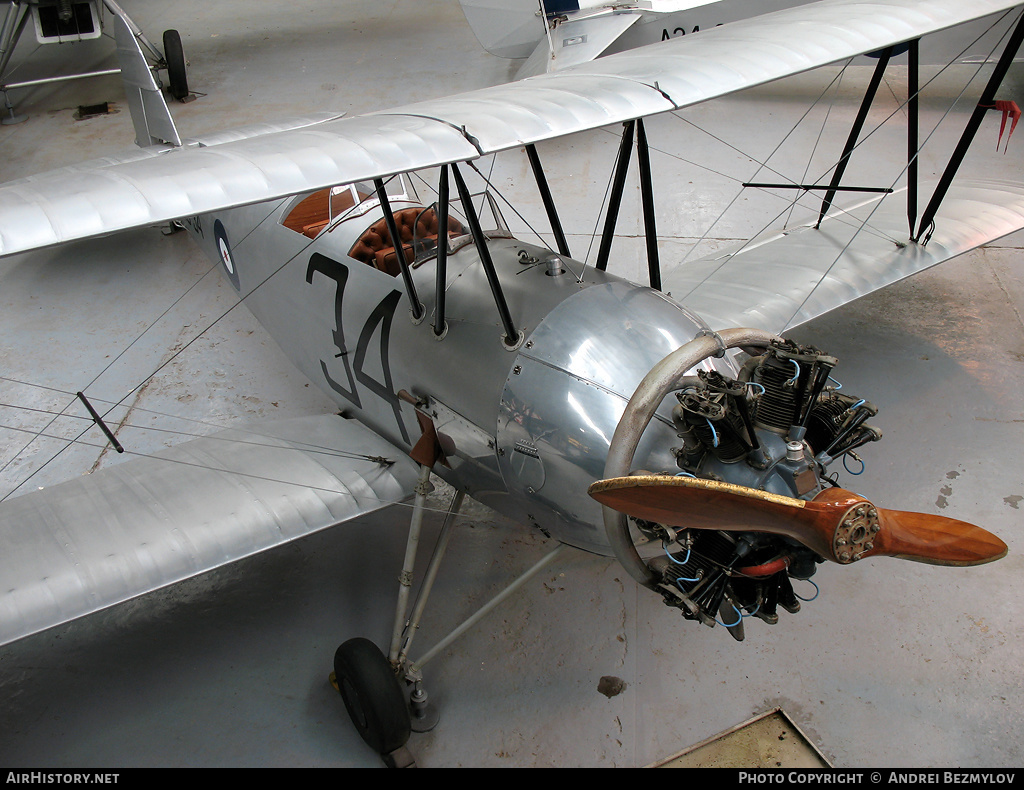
x=505 y=28
x=152 y=119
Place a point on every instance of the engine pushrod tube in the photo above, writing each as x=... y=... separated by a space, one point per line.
x=511 y=333
x=547 y=200
x=615 y=198
x=396 y=242
x=659 y=382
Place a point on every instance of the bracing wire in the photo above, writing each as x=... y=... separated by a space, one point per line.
x=163 y=364
x=863 y=225
x=207 y=467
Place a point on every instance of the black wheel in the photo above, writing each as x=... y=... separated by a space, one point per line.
x=177 y=81
x=372 y=694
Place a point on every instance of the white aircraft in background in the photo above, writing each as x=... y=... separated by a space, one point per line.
x=67 y=22
x=550 y=35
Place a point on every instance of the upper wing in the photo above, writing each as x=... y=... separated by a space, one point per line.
x=661 y=77
x=103 y=538
x=787 y=279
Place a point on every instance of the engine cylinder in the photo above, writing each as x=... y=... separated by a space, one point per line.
x=778 y=406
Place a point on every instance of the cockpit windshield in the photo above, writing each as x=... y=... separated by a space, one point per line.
x=325 y=208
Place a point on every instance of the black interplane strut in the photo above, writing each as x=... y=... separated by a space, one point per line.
x=511 y=333
x=396 y=241
x=549 y=203
x=858 y=124
x=985 y=103
x=615 y=198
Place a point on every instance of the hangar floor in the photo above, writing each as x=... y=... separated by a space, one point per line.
x=894 y=664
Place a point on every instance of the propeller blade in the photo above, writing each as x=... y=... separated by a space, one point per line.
x=837 y=524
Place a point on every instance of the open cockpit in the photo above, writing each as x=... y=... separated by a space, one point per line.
x=355 y=213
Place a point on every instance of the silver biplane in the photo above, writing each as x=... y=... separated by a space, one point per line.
x=670 y=425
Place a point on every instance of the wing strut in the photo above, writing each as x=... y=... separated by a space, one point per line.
x=396 y=241
x=615 y=198
x=511 y=333
x=549 y=204
x=985 y=103
x=858 y=124
x=913 y=115
x=440 y=328
x=643 y=155
x=646 y=196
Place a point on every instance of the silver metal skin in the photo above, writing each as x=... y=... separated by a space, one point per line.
x=525 y=426
x=100 y=539
x=786 y=279
x=658 y=78
x=525 y=431
x=514 y=29
x=567 y=394
x=536 y=430
x=152 y=119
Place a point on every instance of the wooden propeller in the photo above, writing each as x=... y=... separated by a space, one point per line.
x=837 y=524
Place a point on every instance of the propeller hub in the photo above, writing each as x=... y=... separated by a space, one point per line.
x=855 y=533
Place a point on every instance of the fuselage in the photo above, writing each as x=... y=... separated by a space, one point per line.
x=525 y=426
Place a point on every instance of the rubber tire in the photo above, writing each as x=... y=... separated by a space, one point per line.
x=177 y=80
x=372 y=694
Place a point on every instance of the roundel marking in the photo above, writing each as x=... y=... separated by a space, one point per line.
x=224 y=253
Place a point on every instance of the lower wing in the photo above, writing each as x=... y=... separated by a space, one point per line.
x=101 y=539
x=788 y=278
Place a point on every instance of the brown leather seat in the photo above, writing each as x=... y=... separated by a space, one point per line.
x=375 y=248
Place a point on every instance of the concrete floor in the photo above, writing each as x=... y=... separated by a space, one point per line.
x=895 y=664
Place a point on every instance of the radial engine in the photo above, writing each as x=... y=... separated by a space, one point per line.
x=777 y=427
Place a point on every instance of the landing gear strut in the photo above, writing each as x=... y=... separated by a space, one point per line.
x=371 y=684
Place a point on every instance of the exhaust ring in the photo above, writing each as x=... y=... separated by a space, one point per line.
x=662 y=379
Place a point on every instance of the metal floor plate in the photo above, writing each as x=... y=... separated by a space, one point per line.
x=770 y=740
